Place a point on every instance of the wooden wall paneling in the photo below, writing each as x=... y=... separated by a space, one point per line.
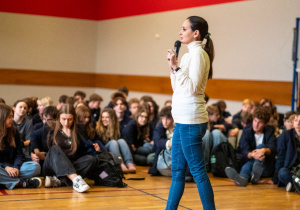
x=238 y=90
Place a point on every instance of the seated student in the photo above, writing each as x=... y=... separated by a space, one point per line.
x=79 y=95
x=162 y=136
x=215 y=134
x=61 y=101
x=13 y=172
x=23 y=125
x=94 y=105
x=137 y=136
x=288 y=120
x=39 y=135
x=85 y=127
x=288 y=155
x=246 y=107
x=153 y=116
x=133 y=106
x=258 y=148
x=119 y=105
x=42 y=104
x=31 y=107
x=222 y=105
x=66 y=161
x=109 y=132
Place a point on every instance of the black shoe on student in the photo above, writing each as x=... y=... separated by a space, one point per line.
x=34 y=182
x=257 y=170
x=231 y=173
x=189 y=179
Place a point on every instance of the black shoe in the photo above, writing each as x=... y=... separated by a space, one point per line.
x=231 y=173
x=257 y=170
x=189 y=179
x=31 y=183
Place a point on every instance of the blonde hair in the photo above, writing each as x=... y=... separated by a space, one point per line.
x=112 y=131
x=45 y=101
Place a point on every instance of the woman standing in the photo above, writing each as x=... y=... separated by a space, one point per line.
x=189 y=112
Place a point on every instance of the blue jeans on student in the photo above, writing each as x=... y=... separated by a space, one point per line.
x=218 y=137
x=246 y=170
x=187 y=151
x=120 y=148
x=285 y=176
x=28 y=170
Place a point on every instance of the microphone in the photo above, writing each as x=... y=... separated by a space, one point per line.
x=177 y=46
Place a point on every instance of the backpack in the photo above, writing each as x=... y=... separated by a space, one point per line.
x=108 y=171
x=223 y=155
x=296 y=178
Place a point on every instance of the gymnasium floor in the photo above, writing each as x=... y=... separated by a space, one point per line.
x=150 y=193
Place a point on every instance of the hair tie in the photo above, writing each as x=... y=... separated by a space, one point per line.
x=206 y=39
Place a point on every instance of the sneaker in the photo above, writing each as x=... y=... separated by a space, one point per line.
x=34 y=182
x=131 y=168
x=124 y=168
x=52 y=181
x=257 y=170
x=290 y=187
x=231 y=173
x=79 y=184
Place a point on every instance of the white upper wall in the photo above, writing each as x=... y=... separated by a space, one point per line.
x=47 y=43
x=253 y=40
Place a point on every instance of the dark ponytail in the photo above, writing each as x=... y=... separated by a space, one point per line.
x=198 y=23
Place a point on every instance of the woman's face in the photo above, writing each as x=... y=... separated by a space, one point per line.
x=151 y=107
x=66 y=120
x=105 y=118
x=9 y=120
x=143 y=119
x=40 y=108
x=119 y=107
x=187 y=35
x=21 y=109
x=86 y=118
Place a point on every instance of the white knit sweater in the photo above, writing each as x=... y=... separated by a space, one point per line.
x=189 y=83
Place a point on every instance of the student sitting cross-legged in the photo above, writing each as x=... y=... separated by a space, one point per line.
x=67 y=161
x=258 y=148
x=13 y=171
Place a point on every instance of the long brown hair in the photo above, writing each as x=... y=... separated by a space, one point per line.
x=67 y=109
x=7 y=135
x=200 y=24
x=112 y=131
x=143 y=131
x=80 y=112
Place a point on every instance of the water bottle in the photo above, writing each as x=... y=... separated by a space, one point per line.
x=213 y=159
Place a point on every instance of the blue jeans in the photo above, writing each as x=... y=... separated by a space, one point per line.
x=246 y=170
x=285 y=176
x=187 y=151
x=120 y=148
x=28 y=170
